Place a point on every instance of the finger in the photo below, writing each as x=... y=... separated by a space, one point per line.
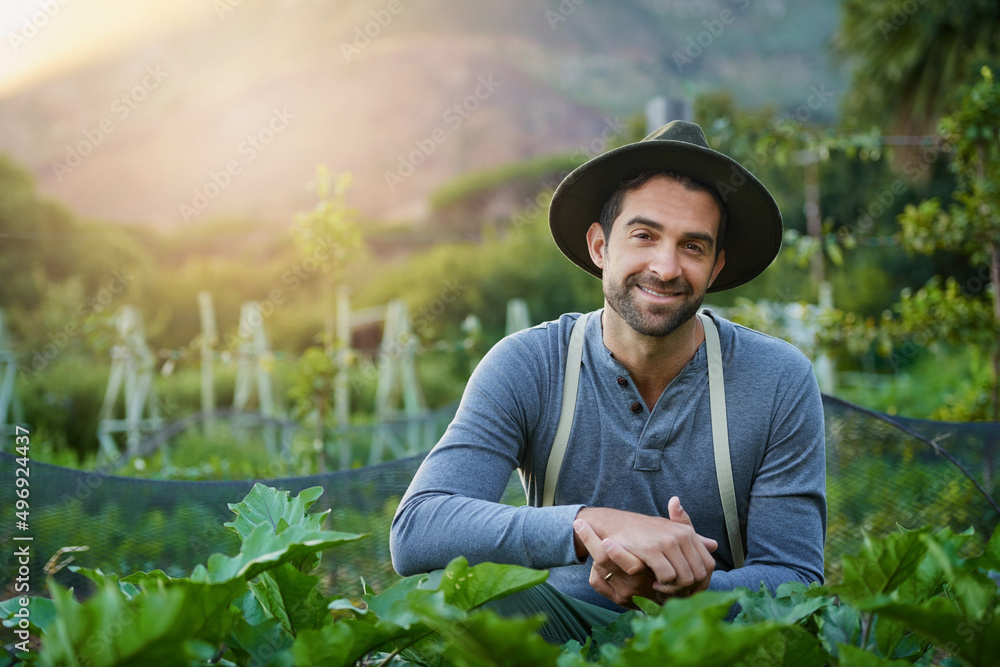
x=590 y=540
x=624 y=559
x=677 y=513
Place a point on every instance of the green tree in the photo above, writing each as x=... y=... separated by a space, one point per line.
x=944 y=309
x=330 y=234
x=910 y=57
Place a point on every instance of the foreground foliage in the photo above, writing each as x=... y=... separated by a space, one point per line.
x=907 y=597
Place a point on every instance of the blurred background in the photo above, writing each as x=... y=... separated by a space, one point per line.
x=320 y=214
x=270 y=239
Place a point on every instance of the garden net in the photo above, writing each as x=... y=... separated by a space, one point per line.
x=882 y=473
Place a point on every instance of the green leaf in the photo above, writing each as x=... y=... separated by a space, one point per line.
x=101 y=579
x=791 y=646
x=265 y=505
x=971 y=588
x=251 y=643
x=974 y=640
x=990 y=558
x=790 y=605
x=471 y=587
x=150 y=629
x=856 y=657
x=838 y=625
x=263 y=549
x=486 y=639
x=292 y=597
x=883 y=566
x=41 y=613
x=332 y=645
x=690 y=631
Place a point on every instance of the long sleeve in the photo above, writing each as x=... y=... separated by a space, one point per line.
x=785 y=524
x=452 y=506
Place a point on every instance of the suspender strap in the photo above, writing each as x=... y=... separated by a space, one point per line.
x=571 y=384
x=720 y=426
x=720 y=437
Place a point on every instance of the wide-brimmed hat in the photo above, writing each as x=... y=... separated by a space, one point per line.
x=753 y=221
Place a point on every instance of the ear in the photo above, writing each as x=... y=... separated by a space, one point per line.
x=720 y=262
x=597 y=244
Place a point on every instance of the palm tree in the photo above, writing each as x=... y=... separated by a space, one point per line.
x=910 y=56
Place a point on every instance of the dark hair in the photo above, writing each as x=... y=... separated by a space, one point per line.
x=613 y=207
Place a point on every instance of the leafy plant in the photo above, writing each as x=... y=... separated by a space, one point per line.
x=908 y=597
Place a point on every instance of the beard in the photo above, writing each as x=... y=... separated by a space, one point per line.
x=653 y=320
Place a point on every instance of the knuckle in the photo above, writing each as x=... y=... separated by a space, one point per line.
x=634 y=569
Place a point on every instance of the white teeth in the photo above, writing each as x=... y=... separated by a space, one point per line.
x=649 y=291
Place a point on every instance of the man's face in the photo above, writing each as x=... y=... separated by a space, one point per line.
x=660 y=257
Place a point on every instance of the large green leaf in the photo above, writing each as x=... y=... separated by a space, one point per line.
x=485 y=639
x=411 y=609
x=838 y=625
x=471 y=587
x=790 y=605
x=970 y=587
x=150 y=629
x=976 y=640
x=884 y=566
x=856 y=657
x=791 y=646
x=990 y=558
x=267 y=505
x=98 y=577
x=258 y=643
x=292 y=597
x=691 y=631
x=41 y=613
x=263 y=549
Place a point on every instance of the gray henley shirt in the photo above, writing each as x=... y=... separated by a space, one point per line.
x=623 y=455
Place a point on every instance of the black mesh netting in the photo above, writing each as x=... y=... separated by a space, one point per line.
x=880 y=474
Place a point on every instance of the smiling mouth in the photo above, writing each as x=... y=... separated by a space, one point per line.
x=661 y=295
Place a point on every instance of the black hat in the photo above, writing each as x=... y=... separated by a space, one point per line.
x=753 y=221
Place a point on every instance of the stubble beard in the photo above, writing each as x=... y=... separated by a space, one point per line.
x=656 y=321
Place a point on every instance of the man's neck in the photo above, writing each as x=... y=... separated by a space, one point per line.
x=652 y=361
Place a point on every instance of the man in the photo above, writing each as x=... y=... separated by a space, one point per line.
x=631 y=489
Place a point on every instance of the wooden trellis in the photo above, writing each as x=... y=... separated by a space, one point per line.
x=131 y=371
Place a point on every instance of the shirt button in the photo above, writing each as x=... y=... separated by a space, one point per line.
x=622 y=382
x=636 y=408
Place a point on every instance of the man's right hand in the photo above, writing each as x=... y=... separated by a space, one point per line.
x=679 y=558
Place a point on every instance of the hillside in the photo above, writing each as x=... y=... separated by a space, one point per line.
x=229 y=114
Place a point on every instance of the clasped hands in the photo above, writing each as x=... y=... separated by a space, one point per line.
x=634 y=554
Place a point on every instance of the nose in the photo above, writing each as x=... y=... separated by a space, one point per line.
x=665 y=263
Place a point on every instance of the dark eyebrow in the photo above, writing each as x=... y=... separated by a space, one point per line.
x=646 y=222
